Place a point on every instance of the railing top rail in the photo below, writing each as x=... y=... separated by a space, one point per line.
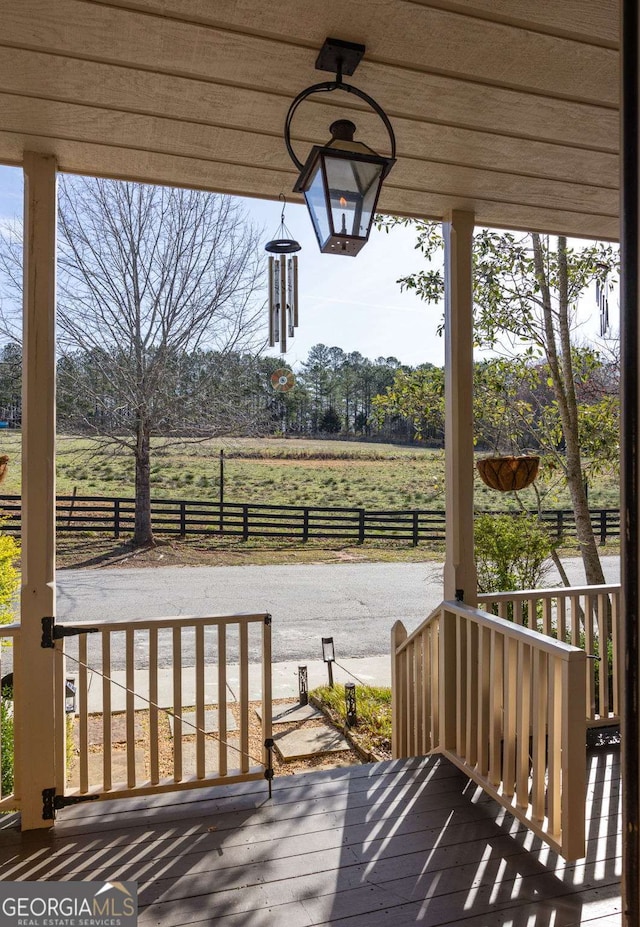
x=548 y=593
x=434 y=615
x=514 y=631
x=10 y=630
x=177 y=621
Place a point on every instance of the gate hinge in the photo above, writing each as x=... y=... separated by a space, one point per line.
x=52 y=802
x=52 y=632
x=267 y=619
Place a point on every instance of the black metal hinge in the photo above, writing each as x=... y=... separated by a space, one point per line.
x=52 y=632
x=52 y=802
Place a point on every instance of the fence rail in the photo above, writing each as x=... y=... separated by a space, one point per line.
x=116 y=515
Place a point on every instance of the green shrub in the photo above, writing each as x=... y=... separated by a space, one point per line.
x=512 y=552
x=9 y=577
x=6 y=740
x=373 y=710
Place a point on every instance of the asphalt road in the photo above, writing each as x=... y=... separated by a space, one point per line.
x=356 y=604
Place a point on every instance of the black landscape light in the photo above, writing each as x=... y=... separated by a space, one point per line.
x=328 y=655
x=341 y=180
x=70 y=696
x=350 y=703
x=303 y=685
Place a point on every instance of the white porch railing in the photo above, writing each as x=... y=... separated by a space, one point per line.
x=163 y=703
x=9 y=637
x=587 y=617
x=503 y=703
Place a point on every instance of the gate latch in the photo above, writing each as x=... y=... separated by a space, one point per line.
x=52 y=632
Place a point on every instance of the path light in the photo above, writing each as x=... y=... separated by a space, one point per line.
x=328 y=655
x=350 y=703
x=341 y=181
x=303 y=685
x=70 y=696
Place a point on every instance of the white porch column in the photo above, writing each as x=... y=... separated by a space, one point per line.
x=460 y=578
x=34 y=676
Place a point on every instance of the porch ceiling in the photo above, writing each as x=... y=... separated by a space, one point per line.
x=506 y=107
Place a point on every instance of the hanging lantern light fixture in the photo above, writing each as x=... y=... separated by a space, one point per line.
x=283 y=285
x=341 y=181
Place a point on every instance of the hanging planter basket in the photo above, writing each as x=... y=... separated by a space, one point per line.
x=507 y=474
x=4 y=461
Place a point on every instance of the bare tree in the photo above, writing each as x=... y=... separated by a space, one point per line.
x=153 y=282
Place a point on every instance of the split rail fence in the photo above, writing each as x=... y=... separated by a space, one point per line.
x=115 y=516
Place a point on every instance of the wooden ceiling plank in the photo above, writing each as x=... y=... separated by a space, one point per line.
x=591 y=21
x=163 y=136
x=594 y=21
x=436 y=99
x=406 y=36
x=79 y=158
x=266 y=115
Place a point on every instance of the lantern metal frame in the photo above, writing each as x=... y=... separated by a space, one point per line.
x=341 y=58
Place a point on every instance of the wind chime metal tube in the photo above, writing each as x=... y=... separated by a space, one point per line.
x=283 y=286
x=283 y=299
x=284 y=306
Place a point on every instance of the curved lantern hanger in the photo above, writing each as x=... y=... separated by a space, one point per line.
x=337 y=62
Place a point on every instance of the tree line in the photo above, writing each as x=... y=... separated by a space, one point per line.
x=161 y=311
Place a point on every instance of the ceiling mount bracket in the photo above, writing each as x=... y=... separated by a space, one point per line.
x=339 y=57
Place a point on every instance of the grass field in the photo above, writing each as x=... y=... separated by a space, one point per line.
x=282 y=471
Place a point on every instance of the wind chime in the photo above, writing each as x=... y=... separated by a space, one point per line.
x=283 y=285
x=602 y=299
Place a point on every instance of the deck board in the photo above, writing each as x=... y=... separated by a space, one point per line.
x=407 y=842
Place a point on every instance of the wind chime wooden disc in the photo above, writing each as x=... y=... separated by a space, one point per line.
x=282 y=380
x=508 y=474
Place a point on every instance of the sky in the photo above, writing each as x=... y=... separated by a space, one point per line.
x=353 y=303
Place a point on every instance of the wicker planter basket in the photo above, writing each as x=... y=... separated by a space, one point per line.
x=4 y=460
x=507 y=474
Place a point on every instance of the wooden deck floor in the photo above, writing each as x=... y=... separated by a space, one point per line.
x=382 y=845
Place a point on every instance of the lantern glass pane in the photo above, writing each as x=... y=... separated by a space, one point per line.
x=353 y=190
x=317 y=205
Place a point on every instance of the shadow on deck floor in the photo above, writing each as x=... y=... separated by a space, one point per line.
x=378 y=845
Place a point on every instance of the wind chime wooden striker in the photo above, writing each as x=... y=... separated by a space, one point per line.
x=283 y=285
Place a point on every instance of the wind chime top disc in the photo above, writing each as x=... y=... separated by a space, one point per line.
x=283 y=246
x=282 y=380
